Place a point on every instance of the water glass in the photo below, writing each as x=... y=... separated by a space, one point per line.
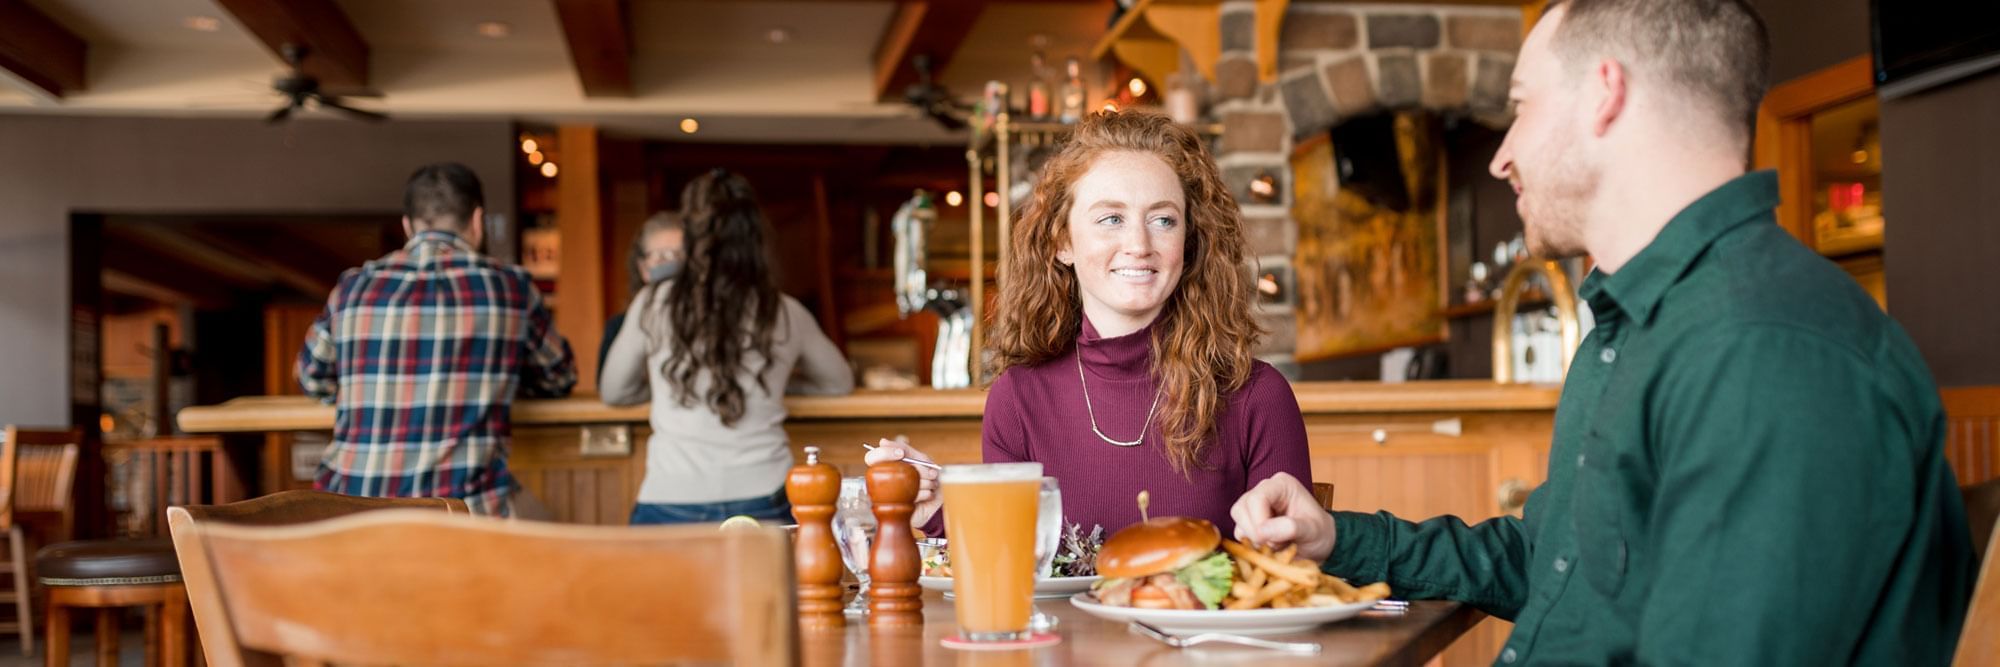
x=854 y=532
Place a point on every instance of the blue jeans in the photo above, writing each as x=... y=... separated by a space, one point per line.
x=772 y=508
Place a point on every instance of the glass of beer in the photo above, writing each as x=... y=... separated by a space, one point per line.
x=990 y=514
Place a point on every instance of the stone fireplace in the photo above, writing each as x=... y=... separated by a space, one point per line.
x=1340 y=61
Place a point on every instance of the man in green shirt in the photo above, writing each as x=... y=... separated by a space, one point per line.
x=1747 y=465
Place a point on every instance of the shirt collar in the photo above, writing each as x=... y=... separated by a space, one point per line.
x=439 y=236
x=1638 y=287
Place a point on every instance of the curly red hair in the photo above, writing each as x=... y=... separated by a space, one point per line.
x=1202 y=339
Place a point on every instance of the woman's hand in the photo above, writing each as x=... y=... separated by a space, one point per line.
x=899 y=449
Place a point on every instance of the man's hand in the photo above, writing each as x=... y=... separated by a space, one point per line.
x=1280 y=511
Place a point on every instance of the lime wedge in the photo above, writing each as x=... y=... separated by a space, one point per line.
x=738 y=521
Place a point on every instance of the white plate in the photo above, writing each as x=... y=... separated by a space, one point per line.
x=1242 y=621
x=1053 y=588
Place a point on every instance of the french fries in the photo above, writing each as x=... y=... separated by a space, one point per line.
x=1279 y=580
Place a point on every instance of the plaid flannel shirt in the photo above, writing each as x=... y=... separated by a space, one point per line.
x=421 y=352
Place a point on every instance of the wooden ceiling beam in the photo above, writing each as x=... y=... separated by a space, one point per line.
x=38 y=51
x=933 y=28
x=336 y=55
x=599 y=33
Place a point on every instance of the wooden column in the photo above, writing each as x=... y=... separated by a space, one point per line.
x=580 y=283
x=829 y=309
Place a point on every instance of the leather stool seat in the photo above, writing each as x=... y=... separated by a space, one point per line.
x=108 y=563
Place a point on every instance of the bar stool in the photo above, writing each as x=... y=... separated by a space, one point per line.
x=107 y=575
x=37 y=467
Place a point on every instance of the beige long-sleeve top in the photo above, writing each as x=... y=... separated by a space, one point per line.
x=691 y=456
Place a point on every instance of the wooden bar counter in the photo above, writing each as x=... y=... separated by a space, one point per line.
x=1418 y=449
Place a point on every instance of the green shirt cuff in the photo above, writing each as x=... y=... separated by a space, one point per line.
x=1360 y=547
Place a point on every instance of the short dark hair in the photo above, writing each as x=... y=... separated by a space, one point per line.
x=1718 y=51
x=442 y=195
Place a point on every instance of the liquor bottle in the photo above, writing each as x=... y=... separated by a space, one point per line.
x=1039 y=104
x=1073 y=92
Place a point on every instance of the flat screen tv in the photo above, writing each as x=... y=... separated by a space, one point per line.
x=1922 y=43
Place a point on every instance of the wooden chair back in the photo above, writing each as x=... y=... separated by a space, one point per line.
x=1979 y=640
x=38 y=475
x=169 y=471
x=1323 y=492
x=289 y=508
x=424 y=588
x=1972 y=433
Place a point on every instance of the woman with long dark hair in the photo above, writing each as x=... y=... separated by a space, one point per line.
x=715 y=347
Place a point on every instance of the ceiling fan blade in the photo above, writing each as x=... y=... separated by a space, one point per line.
x=281 y=114
x=364 y=114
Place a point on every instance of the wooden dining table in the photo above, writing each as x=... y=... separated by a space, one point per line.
x=1411 y=638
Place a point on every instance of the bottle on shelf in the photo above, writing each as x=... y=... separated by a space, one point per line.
x=1074 y=92
x=1039 y=104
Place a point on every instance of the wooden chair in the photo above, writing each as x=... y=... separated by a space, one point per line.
x=175 y=470
x=290 y=508
x=418 y=587
x=1323 y=492
x=1979 y=640
x=37 y=469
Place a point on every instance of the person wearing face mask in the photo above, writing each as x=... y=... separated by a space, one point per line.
x=657 y=256
x=1123 y=333
x=712 y=350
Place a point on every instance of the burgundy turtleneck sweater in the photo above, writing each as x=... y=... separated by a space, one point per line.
x=1036 y=413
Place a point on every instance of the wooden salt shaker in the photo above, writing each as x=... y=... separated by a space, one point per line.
x=812 y=489
x=894 y=598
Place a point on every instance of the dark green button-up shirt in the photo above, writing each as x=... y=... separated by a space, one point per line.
x=1748 y=468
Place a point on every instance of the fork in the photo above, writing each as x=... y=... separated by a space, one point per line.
x=911 y=461
x=1143 y=628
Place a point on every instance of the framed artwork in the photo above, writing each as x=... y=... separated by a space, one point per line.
x=1368 y=201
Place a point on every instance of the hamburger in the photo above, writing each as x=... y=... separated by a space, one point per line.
x=1166 y=562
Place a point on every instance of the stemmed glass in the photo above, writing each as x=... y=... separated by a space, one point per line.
x=854 y=532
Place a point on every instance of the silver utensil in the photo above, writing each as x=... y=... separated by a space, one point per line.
x=1142 y=628
x=1388 y=608
x=911 y=461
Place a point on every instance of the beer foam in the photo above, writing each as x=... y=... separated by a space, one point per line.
x=991 y=472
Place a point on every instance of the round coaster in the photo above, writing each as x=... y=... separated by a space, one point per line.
x=1033 y=640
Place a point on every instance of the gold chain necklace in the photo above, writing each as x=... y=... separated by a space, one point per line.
x=1092 y=412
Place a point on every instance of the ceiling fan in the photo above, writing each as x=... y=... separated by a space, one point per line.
x=932 y=99
x=300 y=88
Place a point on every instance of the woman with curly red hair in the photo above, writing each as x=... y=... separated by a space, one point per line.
x=1122 y=336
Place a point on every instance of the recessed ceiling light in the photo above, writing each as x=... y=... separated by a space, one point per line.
x=778 y=35
x=549 y=169
x=690 y=125
x=495 y=29
x=202 y=23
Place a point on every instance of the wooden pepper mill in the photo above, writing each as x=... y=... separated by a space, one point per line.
x=813 y=488
x=894 y=598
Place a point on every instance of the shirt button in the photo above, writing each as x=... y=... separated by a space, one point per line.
x=1579 y=460
x=1508 y=656
x=1608 y=355
x=1562 y=565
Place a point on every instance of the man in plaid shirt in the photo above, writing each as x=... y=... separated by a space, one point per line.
x=422 y=352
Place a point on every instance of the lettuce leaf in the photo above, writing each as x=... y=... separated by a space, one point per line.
x=1209 y=578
